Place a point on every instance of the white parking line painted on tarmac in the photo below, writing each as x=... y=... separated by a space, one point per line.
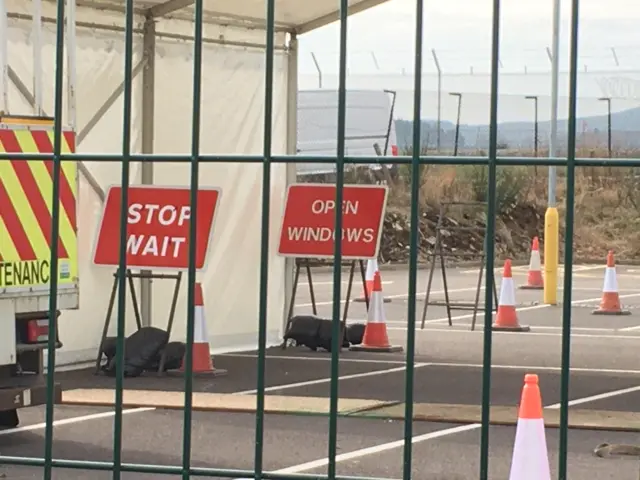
x=525 y=268
x=599 y=289
x=470 y=315
x=98 y=416
x=629 y=329
x=384 y=447
x=627 y=275
x=528 y=334
x=438 y=320
x=581 y=329
x=541 y=327
x=72 y=420
x=525 y=309
x=612 y=371
x=593 y=398
x=463 y=365
x=400 y=295
x=446 y=319
x=346 y=282
x=496 y=269
x=363 y=452
x=582 y=268
x=327 y=380
x=319 y=359
x=473 y=289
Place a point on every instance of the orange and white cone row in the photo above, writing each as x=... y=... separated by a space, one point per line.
x=530 y=460
x=201 y=360
x=507 y=317
x=534 y=276
x=375 y=338
x=610 y=303
x=372 y=268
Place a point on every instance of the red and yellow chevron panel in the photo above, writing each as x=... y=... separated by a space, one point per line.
x=26 y=189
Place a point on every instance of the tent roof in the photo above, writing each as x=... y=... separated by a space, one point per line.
x=299 y=16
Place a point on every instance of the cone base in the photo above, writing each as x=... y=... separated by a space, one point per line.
x=371 y=348
x=531 y=287
x=362 y=300
x=611 y=312
x=216 y=372
x=517 y=328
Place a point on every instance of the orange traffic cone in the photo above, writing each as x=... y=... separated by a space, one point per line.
x=530 y=460
x=610 y=304
x=375 y=337
x=507 y=317
x=372 y=268
x=201 y=360
x=534 y=277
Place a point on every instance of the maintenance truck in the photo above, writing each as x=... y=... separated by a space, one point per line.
x=26 y=188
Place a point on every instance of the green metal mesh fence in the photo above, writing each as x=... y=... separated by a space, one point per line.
x=194 y=158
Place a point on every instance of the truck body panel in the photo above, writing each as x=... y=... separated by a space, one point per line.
x=8 y=352
x=25 y=217
x=26 y=203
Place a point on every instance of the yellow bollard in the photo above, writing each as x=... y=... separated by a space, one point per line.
x=551 y=250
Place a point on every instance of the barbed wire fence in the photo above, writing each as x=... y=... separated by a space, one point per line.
x=456 y=94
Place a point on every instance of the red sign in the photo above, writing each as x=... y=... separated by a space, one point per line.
x=158 y=227
x=308 y=224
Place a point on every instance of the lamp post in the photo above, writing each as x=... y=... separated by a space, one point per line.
x=608 y=100
x=535 y=122
x=455 y=145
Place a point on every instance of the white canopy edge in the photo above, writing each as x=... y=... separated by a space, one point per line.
x=292 y=16
x=178 y=29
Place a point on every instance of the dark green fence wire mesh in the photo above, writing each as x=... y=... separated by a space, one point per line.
x=48 y=463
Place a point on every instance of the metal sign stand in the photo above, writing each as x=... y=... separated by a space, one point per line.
x=177 y=277
x=438 y=251
x=305 y=261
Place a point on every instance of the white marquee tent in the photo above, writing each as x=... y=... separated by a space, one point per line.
x=232 y=118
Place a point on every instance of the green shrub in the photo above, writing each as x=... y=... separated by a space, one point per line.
x=511 y=184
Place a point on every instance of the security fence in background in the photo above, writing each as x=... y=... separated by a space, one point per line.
x=472 y=60
x=608 y=72
x=197 y=160
x=522 y=119
x=609 y=80
x=608 y=107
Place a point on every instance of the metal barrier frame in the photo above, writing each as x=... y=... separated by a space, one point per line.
x=314 y=308
x=176 y=277
x=438 y=251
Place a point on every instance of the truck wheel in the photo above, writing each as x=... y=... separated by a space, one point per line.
x=9 y=419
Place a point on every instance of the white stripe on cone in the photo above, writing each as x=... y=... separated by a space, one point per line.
x=376 y=308
x=610 y=280
x=201 y=358
x=372 y=266
x=200 y=327
x=534 y=262
x=530 y=460
x=507 y=292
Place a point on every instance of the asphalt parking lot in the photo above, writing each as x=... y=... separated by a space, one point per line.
x=299 y=445
x=605 y=376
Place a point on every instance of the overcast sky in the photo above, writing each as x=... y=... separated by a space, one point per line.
x=460 y=31
x=381 y=40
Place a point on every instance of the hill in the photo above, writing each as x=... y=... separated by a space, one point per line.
x=592 y=131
